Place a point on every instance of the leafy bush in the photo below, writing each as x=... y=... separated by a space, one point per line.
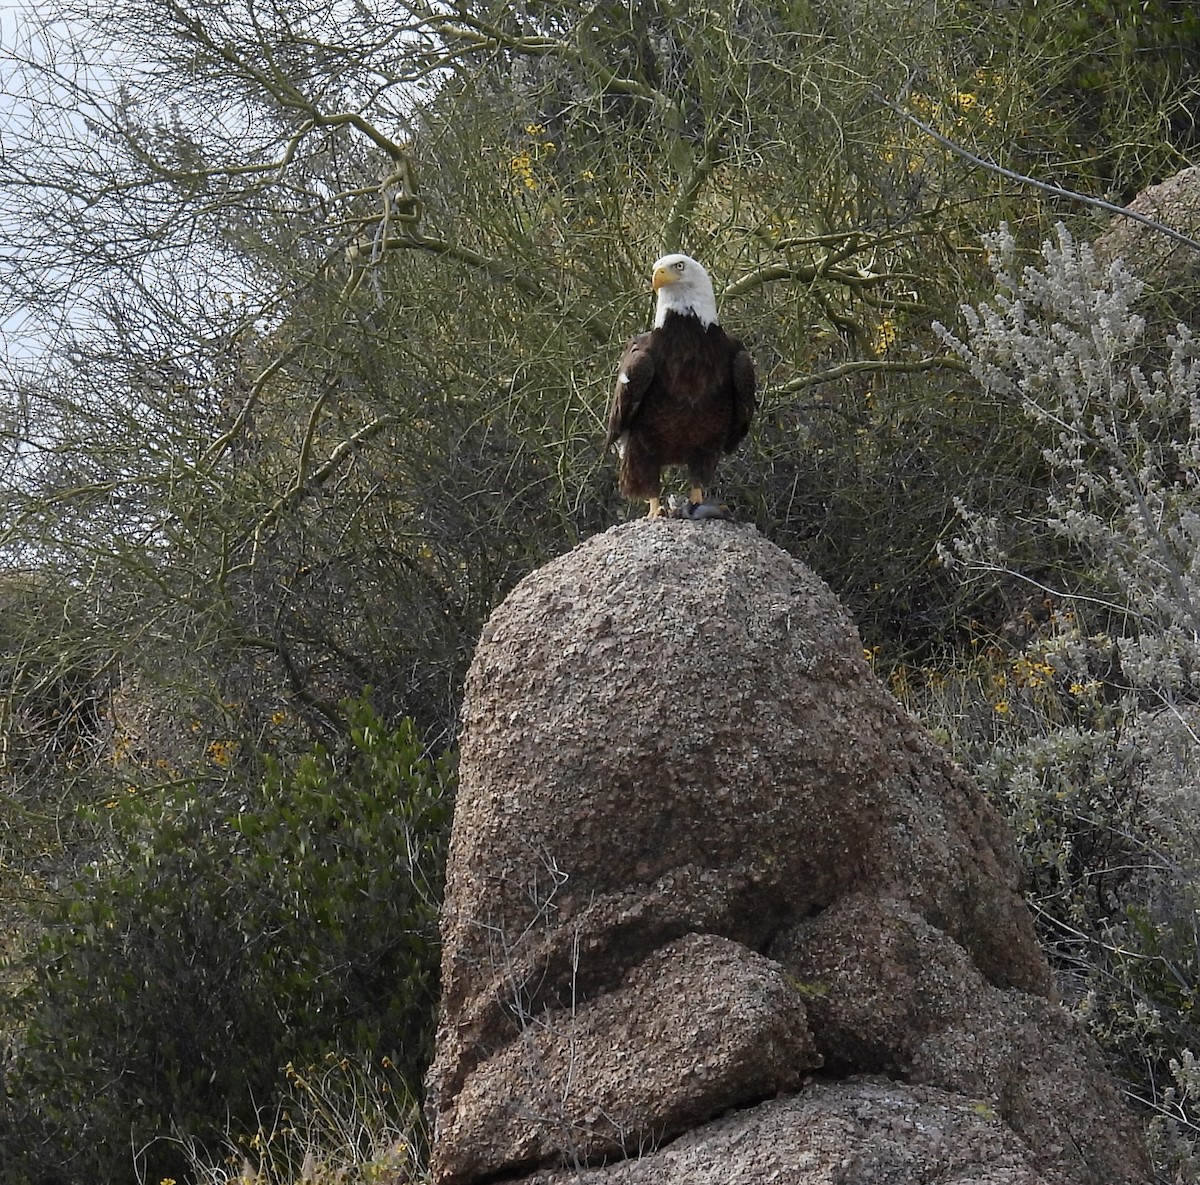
x=1111 y=851
x=219 y=939
x=1123 y=447
x=1097 y=777
x=1121 y=75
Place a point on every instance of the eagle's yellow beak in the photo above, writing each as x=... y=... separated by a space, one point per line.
x=663 y=275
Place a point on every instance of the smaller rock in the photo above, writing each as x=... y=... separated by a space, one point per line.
x=912 y=1005
x=701 y=1025
x=862 y=1131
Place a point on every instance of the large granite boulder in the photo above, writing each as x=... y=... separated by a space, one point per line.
x=1170 y=269
x=703 y=860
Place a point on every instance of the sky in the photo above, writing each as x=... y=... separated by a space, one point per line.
x=21 y=337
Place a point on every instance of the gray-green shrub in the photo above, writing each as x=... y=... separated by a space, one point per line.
x=1107 y=824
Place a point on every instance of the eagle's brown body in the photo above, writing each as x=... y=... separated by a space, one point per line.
x=684 y=396
x=685 y=390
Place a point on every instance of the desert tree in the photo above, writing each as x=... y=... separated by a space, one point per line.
x=326 y=296
x=313 y=310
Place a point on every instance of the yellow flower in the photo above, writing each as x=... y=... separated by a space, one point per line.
x=221 y=752
x=1001 y=706
x=885 y=335
x=522 y=166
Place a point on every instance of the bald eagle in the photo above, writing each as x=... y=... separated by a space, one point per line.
x=684 y=392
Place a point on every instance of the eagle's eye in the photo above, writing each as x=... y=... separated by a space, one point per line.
x=679 y=266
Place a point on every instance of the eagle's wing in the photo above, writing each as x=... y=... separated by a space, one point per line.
x=634 y=374
x=744 y=401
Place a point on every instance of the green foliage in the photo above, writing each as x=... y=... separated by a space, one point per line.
x=377 y=375
x=1096 y=776
x=220 y=938
x=323 y=302
x=1097 y=787
x=1111 y=875
x=1129 y=65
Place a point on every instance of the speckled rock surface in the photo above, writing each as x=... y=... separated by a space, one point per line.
x=859 y=1132
x=886 y=991
x=720 y=1023
x=690 y=817
x=1149 y=254
x=1169 y=269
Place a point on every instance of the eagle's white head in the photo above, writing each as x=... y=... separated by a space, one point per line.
x=683 y=287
